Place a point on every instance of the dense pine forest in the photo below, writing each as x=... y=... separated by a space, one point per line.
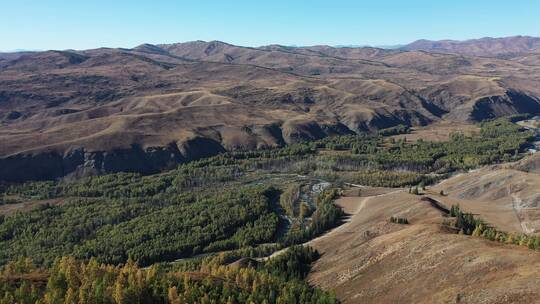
x=171 y=237
x=279 y=280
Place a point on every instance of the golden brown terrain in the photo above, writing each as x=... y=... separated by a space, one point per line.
x=439 y=131
x=370 y=260
x=506 y=198
x=150 y=107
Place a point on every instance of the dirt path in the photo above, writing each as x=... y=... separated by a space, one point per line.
x=362 y=202
x=352 y=206
x=516 y=202
x=370 y=260
x=341 y=228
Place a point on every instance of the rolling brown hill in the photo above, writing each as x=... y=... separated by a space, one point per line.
x=370 y=260
x=148 y=108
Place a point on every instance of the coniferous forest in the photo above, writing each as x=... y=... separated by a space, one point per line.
x=197 y=234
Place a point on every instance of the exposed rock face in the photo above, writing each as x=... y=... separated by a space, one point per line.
x=511 y=103
x=41 y=166
x=200 y=147
x=44 y=166
x=530 y=164
x=78 y=163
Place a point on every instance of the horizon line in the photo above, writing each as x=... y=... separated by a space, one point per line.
x=385 y=46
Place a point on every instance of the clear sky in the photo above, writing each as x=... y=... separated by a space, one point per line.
x=77 y=24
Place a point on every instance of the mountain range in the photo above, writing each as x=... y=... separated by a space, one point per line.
x=507 y=47
x=77 y=113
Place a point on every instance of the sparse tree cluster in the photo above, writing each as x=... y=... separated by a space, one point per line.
x=470 y=225
x=399 y=220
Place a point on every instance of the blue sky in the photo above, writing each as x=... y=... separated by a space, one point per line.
x=76 y=24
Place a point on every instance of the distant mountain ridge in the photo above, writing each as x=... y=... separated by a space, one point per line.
x=488 y=47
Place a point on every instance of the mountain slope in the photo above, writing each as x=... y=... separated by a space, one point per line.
x=147 y=108
x=370 y=260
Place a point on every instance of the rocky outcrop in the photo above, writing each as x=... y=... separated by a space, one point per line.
x=513 y=102
x=34 y=167
x=79 y=163
x=530 y=164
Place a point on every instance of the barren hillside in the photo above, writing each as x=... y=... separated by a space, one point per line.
x=506 y=198
x=150 y=107
x=369 y=260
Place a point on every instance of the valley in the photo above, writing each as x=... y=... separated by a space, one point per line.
x=207 y=172
x=240 y=216
x=270 y=152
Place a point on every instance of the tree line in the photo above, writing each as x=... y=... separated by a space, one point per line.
x=279 y=280
x=468 y=224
